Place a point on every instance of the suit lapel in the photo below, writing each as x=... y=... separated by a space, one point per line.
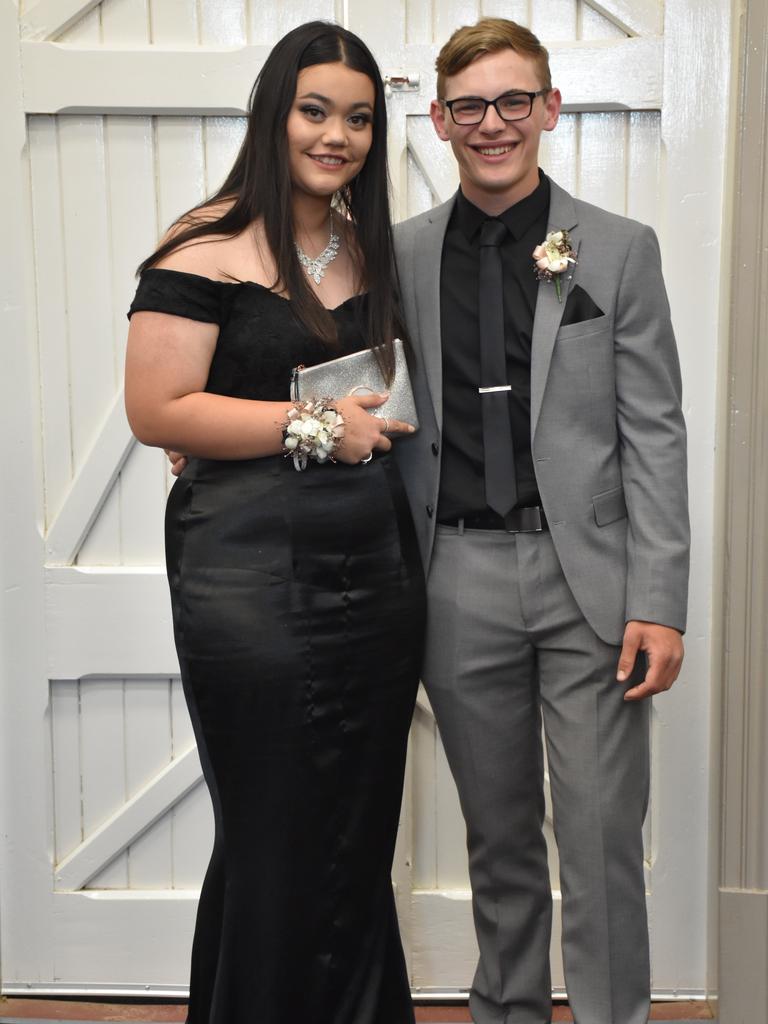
x=549 y=312
x=428 y=253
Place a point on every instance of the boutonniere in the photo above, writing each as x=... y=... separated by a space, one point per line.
x=552 y=258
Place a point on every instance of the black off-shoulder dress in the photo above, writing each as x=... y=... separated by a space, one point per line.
x=298 y=605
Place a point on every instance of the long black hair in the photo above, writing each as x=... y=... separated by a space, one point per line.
x=259 y=186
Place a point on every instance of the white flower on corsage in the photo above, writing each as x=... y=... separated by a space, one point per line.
x=552 y=258
x=314 y=431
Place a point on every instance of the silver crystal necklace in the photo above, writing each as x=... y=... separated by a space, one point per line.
x=315 y=266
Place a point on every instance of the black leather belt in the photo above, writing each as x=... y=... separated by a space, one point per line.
x=519 y=520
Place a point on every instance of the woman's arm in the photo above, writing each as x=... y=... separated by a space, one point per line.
x=167 y=364
x=166 y=369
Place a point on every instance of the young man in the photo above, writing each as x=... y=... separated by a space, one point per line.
x=548 y=488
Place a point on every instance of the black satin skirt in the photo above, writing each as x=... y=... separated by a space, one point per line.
x=298 y=603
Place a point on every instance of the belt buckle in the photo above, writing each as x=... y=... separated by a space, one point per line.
x=524 y=517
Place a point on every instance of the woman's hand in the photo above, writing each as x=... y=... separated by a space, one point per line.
x=364 y=432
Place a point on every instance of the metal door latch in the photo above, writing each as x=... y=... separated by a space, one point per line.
x=401 y=81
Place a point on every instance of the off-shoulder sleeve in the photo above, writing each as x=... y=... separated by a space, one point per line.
x=181 y=294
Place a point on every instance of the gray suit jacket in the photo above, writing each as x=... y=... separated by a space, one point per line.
x=607 y=429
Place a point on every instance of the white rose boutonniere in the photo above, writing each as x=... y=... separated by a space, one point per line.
x=552 y=258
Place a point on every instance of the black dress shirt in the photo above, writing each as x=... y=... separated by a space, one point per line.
x=462 y=481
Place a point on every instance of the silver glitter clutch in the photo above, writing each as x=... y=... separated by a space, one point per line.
x=359 y=374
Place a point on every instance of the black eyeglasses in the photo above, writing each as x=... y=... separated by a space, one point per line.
x=510 y=106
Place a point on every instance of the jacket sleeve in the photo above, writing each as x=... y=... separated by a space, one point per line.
x=652 y=440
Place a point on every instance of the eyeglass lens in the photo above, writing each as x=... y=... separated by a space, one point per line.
x=514 y=106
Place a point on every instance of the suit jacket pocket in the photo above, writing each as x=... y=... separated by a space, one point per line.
x=584 y=329
x=609 y=506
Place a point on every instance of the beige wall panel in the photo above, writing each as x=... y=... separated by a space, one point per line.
x=418 y=22
x=223 y=22
x=147 y=751
x=517 y=10
x=180 y=167
x=193 y=816
x=65 y=763
x=102 y=738
x=447 y=15
x=142 y=503
x=133 y=233
x=192 y=838
x=553 y=20
x=89 y=288
x=174 y=22
x=125 y=22
x=593 y=25
x=602 y=160
x=102 y=544
x=382 y=26
x=51 y=294
x=268 y=22
x=222 y=137
x=420 y=195
x=85 y=32
x=559 y=152
x=424 y=804
x=644 y=167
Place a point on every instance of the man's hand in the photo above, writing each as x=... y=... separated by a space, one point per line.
x=663 y=647
x=177 y=460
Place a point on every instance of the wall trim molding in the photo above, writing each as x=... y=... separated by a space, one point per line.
x=743 y=877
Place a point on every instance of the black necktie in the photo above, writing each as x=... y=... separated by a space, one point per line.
x=500 y=483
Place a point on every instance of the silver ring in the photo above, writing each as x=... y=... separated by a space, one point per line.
x=366 y=460
x=386 y=428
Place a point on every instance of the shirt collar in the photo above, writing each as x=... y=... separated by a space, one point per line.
x=517 y=218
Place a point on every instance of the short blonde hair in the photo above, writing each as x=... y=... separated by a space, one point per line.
x=489 y=35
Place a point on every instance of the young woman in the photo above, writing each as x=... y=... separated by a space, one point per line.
x=297 y=596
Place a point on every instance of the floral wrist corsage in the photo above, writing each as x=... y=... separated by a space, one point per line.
x=314 y=431
x=552 y=258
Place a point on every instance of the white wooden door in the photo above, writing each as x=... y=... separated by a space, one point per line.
x=134 y=112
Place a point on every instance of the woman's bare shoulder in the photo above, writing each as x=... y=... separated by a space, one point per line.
x=208 y=255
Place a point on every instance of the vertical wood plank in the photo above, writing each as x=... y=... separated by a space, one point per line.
x=382 y=26
x=192 y=838
x=269 y=22
x=515 y=10
x=423 y=740
x=418 y=22
x=452 y=868
x=222 y=139
x=51 y=288
x=222 y=22
x=102 y=738
x=179 y=167
x=89 y=305
x=148 y=750
x=65 y=733
x=420 y=197
x=450 y=14
x=644 y=166
x=133 y=235
x=553 y=20
x=603 y=160
x=87 y=31
x=594 y=26
x=174 y=22
x=125 y=22
x=559 y=152
x=192 y=816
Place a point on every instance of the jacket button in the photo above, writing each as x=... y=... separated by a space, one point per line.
x=435 y=448
x=430 y=511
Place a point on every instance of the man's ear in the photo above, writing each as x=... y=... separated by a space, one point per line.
x=552 y=105
x=438 y=114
